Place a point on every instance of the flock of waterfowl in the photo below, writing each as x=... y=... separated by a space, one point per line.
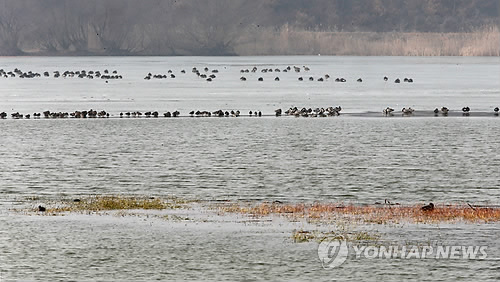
x=296 y=69
x=205 y=73
x=48 y=114
x=210 y=74
x=292 y=111
x=309 y=112
x=444 y=111
x=90 y=74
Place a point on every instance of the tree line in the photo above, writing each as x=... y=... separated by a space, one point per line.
x=217 y=27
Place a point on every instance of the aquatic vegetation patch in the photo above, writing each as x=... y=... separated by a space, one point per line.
x=301 y=236
x=107 y=203
x=378 y=214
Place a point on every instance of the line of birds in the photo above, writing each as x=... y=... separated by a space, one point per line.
x=443 y=110
x=106 y=74
x=149 y=114
x=309 y=112
x=325 y=78
x=310 y=78
x=208 y=77
x=48 y=114
x=292 y=111
x=204 y=74
x=136 y=114
x=266 y=70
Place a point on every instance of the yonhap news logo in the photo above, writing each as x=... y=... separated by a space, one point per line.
x=334 y=252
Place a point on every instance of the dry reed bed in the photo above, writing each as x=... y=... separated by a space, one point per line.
x=379 y=214
x=289 y=41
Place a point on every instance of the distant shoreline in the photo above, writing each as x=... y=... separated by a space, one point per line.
x=292 y=42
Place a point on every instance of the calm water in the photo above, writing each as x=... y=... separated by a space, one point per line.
x=346 y=158
x=332 y=159
x=341 y=159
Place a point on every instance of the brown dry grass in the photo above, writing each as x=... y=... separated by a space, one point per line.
x=369 y=214
x=114 y=202
x=289 y=41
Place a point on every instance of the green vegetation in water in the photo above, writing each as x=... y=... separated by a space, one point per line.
x=108 y=203
x=302 y=236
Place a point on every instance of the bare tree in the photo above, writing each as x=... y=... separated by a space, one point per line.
x=218 y=27
x=213 y=27
x=11 y=27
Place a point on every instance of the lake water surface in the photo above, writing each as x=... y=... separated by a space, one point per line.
x=349 y=158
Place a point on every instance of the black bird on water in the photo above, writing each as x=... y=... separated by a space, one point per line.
x=429 y=207
x=41 y=209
